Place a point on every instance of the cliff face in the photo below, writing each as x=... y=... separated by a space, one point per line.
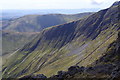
x=56 y=48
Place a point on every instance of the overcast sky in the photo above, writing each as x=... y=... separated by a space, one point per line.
x=55 y=4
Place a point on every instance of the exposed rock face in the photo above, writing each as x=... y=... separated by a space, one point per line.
x=73 y=69
x=116 y=71
x=116 y=3
x=118 y=46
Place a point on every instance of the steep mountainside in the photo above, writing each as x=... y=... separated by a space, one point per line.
x=56 y=48
x=35 y=23
x=106 y=67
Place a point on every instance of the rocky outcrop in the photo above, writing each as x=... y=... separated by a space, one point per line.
x=116 y=3
x=34 y=77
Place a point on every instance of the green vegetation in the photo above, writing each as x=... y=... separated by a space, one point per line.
x=12 y=41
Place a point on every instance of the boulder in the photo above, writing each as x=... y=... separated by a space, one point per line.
x=61 y=73
x=34 y=77
x=73 y=69
x=39 y=76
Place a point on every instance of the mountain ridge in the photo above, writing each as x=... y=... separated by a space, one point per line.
x=35 y=23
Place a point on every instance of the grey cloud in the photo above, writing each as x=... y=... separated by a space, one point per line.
x=95 y=2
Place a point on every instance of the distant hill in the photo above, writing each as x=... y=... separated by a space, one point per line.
x=35 y=23
x=16 y=13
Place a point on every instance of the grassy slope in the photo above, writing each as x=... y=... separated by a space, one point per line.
x=12 y=41
x=106 y=67
x=15 y=39
x=59 y=47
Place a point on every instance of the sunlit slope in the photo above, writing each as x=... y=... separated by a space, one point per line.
x=56 y=48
